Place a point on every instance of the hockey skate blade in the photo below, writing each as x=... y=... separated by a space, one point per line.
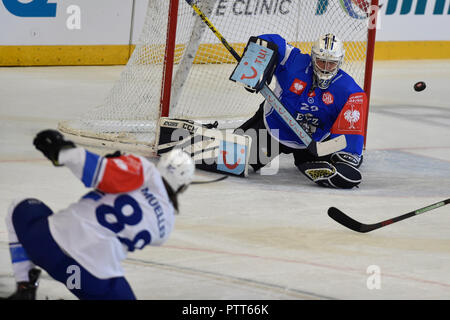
x=331 y=146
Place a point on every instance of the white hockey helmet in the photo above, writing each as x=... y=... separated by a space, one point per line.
x=327 y=55
x=177 y=168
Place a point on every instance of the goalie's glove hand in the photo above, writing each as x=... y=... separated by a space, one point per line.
x=339 y=175
x=50 y=143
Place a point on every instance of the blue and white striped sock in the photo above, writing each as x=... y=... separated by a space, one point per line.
x=20 y=262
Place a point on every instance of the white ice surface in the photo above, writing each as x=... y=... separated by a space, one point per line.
x=265 y=237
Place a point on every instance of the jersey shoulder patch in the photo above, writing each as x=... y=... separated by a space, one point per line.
x=121 y=174
x=351 y=119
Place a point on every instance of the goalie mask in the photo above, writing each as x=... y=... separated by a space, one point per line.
x=327 y=55
x=177 y=168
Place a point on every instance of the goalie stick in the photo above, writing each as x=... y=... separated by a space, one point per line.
x=354 y=225
x=316 y=148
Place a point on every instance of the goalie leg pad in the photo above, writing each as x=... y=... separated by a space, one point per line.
x=340 y=175
x=211 y=149
x=264 y=147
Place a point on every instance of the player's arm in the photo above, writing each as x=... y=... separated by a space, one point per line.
x=108 y=174
x=340 y=170
x=115 y=174
x=351 y=123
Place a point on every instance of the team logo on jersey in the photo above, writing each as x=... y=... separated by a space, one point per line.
x=352 y=116
x=351 y=119
x=121 y=174
x=121 y=164
x=298 y=86
x=312 y=94
x=128 y=163
x=327 y=98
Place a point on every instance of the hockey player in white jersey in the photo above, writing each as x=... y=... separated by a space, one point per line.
x=132 y=205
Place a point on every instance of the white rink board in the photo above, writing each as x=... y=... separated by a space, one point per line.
x=265 y=237
x=101 y=22
x=112 y=22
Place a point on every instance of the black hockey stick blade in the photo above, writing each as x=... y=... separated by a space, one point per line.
x=340 y=217
x=354 y=225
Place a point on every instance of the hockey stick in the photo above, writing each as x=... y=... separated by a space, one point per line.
x=210 y=181
x=354 y=225
x=316 y=148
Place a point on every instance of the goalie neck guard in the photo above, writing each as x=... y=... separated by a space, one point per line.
x=327 y=55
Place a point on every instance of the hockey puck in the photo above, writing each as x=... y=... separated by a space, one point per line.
x=420 y=86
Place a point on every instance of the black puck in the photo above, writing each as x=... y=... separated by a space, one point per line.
x=420 y=86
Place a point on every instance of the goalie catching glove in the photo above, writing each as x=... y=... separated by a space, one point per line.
x=50 y=143
x=341 y=172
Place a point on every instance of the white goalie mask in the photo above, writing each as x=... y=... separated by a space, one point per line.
x=177 y=168
x=327 y=55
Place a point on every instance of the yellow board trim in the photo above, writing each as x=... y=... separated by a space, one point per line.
x=119 y=54
x=412 y=50
x=64 y=55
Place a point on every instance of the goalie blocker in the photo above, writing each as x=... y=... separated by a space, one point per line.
x=211 y=149
x=257 y=64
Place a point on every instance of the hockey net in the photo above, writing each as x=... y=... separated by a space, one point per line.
x=199 y=86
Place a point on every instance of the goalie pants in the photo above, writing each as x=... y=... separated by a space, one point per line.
x=257 y=123
x=30 y=223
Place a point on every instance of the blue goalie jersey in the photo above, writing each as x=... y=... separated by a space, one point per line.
x=339 y=109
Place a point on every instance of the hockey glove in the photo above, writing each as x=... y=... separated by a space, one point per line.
x=116 y=154
x=340 y=175
x=348 y=158
x=50 y=143
x=260 y=66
